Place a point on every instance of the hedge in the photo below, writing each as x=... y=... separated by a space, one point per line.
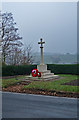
x=17 y=70
x=9 y=70
x=64 y=69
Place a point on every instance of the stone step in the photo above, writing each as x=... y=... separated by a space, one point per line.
x=47 y=71
x=32 y=78
x=49 y=77
x=46 y=74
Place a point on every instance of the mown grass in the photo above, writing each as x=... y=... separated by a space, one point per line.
x=11 y=81
x=54 y=85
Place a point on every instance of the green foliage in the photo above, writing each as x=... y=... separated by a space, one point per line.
x=10 y=70
x=17 y=70
x=64 y=69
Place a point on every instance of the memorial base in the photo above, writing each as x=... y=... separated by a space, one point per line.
x=45 y=74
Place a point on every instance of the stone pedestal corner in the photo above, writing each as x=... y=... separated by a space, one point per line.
x=42 y=68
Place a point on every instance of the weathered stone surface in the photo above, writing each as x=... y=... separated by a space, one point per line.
x=42 y=67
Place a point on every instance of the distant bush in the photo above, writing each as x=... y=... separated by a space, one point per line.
x=10 y=70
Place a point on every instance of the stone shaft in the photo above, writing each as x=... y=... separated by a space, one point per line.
x=41 y=55
x=41 y=50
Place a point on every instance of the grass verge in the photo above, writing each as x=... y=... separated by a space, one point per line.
x=54 y=85
x=11 y=81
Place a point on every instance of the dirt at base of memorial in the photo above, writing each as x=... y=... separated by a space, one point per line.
x=18 y=88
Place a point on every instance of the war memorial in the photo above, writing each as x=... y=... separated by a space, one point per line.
x=42 y=68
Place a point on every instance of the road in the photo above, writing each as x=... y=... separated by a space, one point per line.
x=16 y=105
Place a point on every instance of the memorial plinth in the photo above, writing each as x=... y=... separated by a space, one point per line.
x=42 y=67
x=46 y=74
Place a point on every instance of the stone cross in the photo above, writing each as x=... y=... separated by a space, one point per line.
x=41 y=50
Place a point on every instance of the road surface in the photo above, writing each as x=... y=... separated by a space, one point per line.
x=16 y=105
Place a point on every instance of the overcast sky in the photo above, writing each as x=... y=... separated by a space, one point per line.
x=56 y=23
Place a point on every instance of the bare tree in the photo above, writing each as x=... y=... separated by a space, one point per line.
x=12 y=50
x=15 y=57
x=28 y=57
x=23 y=58
x=10 y=36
